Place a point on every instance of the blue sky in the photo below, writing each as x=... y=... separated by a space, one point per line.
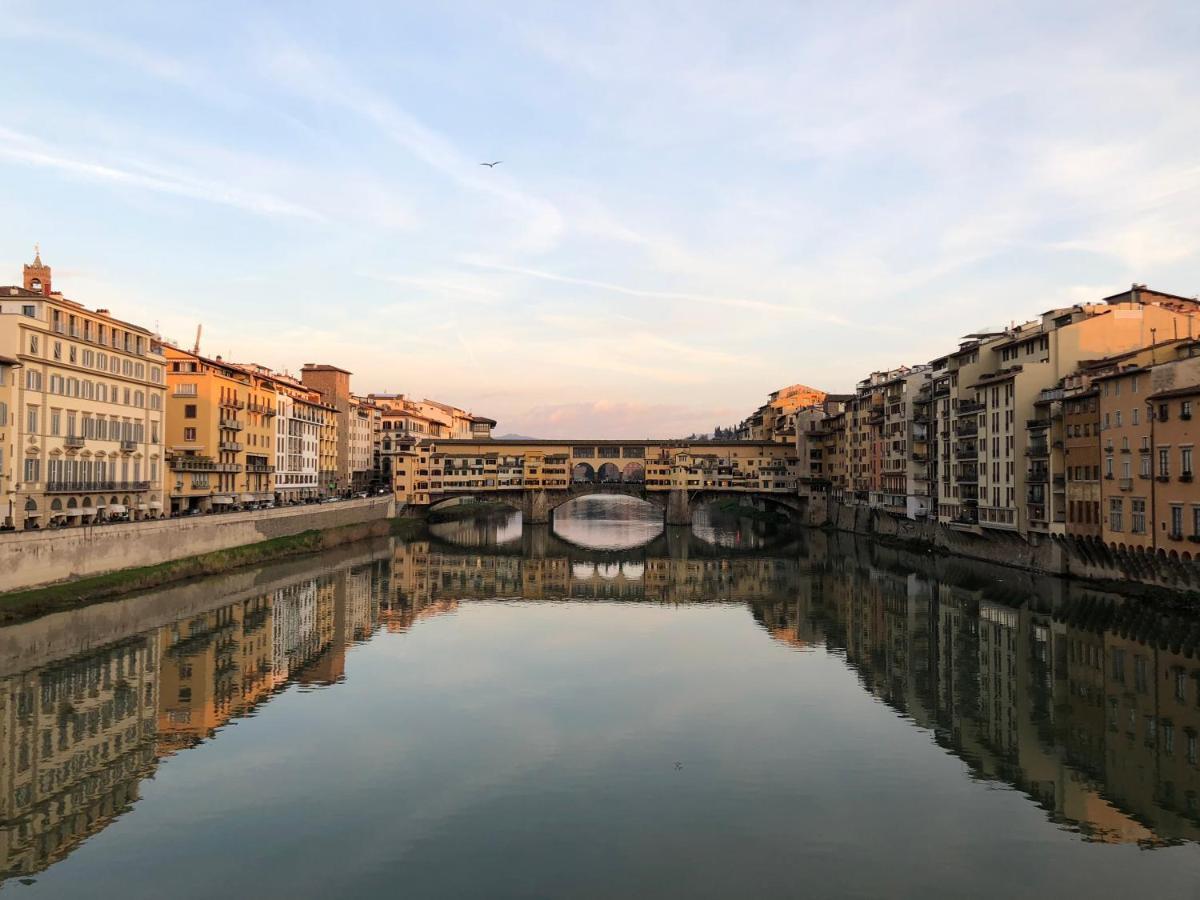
x=698 y=202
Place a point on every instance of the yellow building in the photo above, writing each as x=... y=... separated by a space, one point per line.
x=220 y=434
x=84 y=434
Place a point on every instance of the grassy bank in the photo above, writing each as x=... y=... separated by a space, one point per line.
x=67 y=595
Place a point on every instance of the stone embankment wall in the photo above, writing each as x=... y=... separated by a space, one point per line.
x=1068 y=557
x=35 y=558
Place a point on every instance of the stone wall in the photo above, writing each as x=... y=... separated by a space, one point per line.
x=1069 y=557
x=34 y=558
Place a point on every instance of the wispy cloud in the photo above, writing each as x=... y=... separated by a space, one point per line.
x=737 y=302
x=27 y=150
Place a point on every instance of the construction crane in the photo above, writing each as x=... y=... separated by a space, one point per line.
x=196 y=348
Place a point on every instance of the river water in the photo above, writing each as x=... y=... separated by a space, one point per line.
x=604 y=709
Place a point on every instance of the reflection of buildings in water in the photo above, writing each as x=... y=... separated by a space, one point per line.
x=78 y=737
x=1099 y=729
x=422 y=574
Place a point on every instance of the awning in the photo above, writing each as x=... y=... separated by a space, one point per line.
x=32 y=514
x=155 y=504
x=222 y=500
x=142 y=507
x=75 y=513
x=100 y=504
x=117 y=508
x=248 y=498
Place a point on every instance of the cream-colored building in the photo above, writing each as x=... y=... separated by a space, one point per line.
x=85 y=396
x=365 y=420
x=1033 y=358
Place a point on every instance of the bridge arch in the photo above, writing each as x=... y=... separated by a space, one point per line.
x=583 y=473
x=609 y=473
x=633 y=473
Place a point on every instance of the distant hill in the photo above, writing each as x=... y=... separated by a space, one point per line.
x=515 y=437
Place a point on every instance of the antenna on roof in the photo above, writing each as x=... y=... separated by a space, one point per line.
x=196 y=347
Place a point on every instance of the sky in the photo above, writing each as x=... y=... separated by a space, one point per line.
x=698 y=202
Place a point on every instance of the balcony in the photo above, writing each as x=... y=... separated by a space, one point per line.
x=233 y=403
x=259 y=469
x=966 y=452
x=128 y=446
x=231 y=468
x=190 y=463
x=231 y=424
x=1126 y=484
x=230 y=446
x=967 y=476
x=1033 y=424
x=1037 y=451
x=1038 y=476
x=73 y=441
x=941 y=390
x=966 y=407
x=966 y=428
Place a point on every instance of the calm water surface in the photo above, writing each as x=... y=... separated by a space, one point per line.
x=505 y=712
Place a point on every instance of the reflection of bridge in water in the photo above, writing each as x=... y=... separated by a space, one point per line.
x=541 y=541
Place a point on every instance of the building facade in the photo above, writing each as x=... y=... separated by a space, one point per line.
x=220 y=434
x=84 y=399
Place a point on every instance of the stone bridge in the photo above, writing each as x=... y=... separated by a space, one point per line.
x=537 y=476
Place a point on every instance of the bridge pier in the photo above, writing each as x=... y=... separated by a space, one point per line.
x=679 y=512
x=535 y=509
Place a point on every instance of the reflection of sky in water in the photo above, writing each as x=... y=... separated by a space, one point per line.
x=608 y=523
x=482 y=532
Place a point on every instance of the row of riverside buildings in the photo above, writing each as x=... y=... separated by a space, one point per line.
x=100 y=419
x=1077 y=423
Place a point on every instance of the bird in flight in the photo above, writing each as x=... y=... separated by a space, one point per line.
x=492 y=165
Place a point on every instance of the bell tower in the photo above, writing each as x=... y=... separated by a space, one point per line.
x=37 y=276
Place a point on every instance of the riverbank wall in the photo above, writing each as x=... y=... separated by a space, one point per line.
x=1066 y=557
x=39 y=558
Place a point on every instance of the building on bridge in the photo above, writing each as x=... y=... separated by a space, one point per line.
x=539 y=475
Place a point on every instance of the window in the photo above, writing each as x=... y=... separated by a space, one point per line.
x=1164 y=462
x=1185 y=409
x=1115 y=509
x=32 y=469
x=189 y=434
x=31 y=420
x=1185 y=460
x=1176 y=522
x=1137 y=516
x=189 y=411
x=33 y=380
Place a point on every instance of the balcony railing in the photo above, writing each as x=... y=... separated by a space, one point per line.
x=259 y=469
x=1037 y=451
x=231 y=423
x=230 y=446
x=73 y=441
x=969 y=406
x=1038 y=476
x=128 y=446
x=191 y=463
x=1126 y=484
x=1037 y=423
x=966 y=427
